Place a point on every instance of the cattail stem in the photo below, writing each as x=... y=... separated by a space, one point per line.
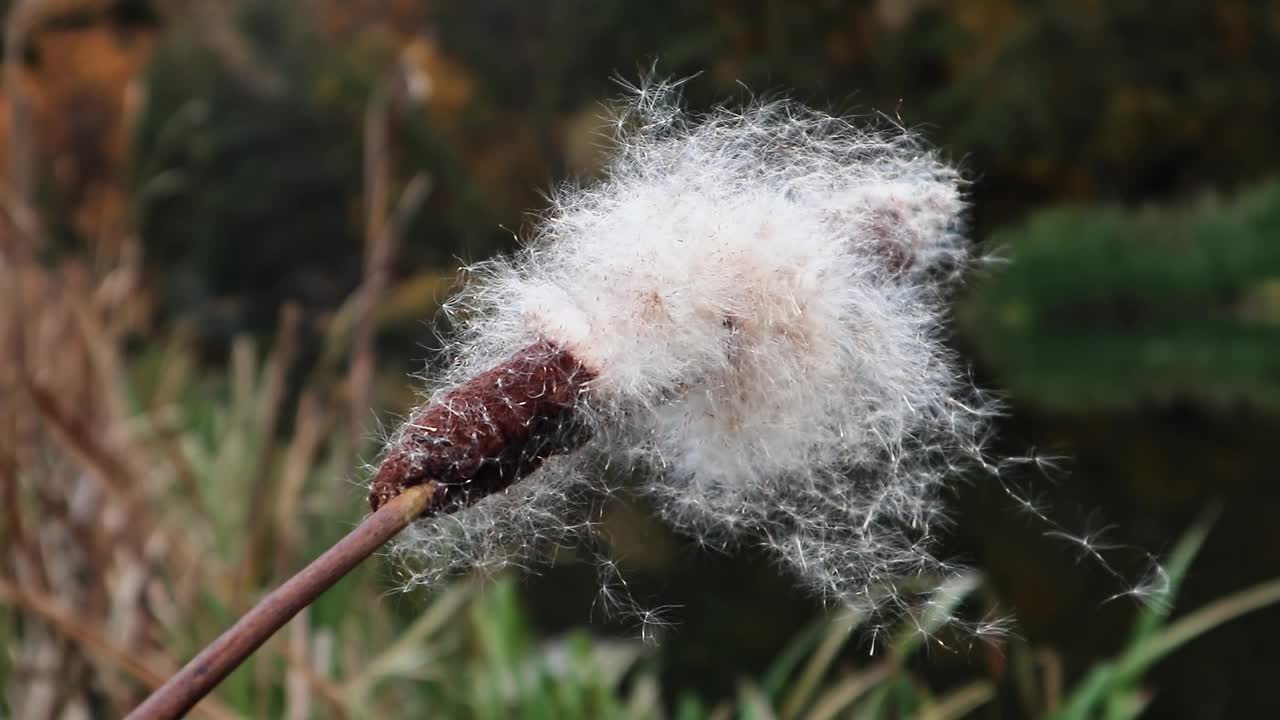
x=182 y=691
x=482 y=436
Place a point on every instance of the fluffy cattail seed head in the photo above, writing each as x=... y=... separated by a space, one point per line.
x=747 y=310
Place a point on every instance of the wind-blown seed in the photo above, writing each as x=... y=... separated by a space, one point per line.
x=747 y=313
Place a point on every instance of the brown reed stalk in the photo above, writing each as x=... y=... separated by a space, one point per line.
x=384 y=226
x=19 y=148
x=275 y=377
x=198 y=677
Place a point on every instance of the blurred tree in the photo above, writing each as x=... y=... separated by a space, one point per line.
x=245 y=187
x=248 y=166
x=1042 y=101
x=1112 y=309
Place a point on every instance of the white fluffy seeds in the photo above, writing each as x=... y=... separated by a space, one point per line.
x=761 y=297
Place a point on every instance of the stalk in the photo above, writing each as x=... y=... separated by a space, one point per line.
x=203 y=673
x=478 y=439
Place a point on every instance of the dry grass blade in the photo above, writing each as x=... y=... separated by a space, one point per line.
x=20 y=150
x=81 y=441
x=837 y=635
x=959 y=702
x=302 y=664
x=86 y=636
x=264 y=425
x=382 y=238
x=311 y=424
x=408 y=650
x=199 y=676
x=754 y=702
x=843 y=694
x=109 y=466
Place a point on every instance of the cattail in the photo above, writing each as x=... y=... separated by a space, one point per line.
x=744 y=317
x=746 y=313
x=489 y=432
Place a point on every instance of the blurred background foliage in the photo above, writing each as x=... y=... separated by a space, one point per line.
x=1114 y=310
x=230 y=224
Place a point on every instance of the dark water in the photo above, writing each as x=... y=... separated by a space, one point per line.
x=1143 y=479
x=1148 y=477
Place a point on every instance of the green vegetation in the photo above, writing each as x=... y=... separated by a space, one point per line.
x=1105 y=308
x=206 y=457
x=184 y=336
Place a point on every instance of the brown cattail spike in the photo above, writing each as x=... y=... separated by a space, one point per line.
x=489 y=432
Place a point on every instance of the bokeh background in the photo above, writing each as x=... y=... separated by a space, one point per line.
x=227 y=227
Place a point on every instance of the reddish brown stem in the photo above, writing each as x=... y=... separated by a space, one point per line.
x=478 y=439
x=182 y=691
